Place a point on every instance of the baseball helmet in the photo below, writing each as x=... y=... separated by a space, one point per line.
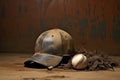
x=50 y=48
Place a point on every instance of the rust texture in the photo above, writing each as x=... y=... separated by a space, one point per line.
x=95 y=24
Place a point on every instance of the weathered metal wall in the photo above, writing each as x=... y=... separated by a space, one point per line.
x=92 y=23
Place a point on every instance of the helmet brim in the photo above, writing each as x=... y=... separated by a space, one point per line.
x=45 y=59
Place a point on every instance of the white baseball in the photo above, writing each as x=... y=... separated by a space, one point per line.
x=79 y=61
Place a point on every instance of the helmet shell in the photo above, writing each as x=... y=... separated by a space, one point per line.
x=56 y=42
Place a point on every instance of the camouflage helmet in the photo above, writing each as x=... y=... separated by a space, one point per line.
x=51 y=46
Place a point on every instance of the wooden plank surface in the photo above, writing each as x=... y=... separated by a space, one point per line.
x=12 y=68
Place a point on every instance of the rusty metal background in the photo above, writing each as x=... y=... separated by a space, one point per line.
x=92 y=23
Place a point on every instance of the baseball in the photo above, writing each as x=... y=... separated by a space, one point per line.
x=79 y=61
